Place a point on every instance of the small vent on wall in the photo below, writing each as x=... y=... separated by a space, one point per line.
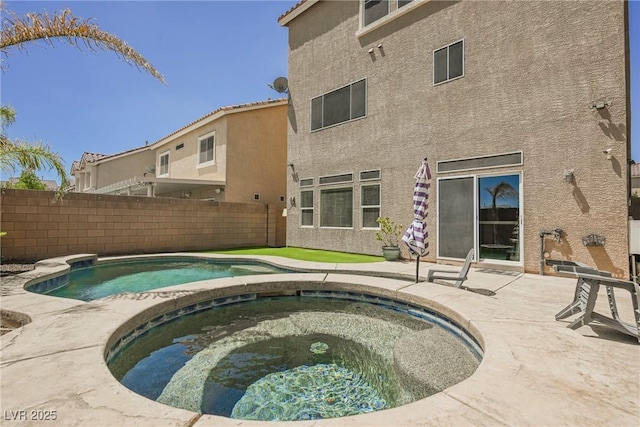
x=256 y=196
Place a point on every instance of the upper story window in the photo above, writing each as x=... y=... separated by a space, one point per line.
x=164 y=164
x=448 y=62
x=374 y=10
x=339 y=106
x=378 y=9
x=206 y=150
x=87 y=180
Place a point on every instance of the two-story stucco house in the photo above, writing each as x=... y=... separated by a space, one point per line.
x=234 y=154
x=521 y=107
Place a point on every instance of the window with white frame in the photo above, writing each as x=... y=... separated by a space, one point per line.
x=370 y=204
x=87 y=180
x=206 y=149
x=375 y=10
x=306 y=208
x=370 y=175
x=336 y=207
x=341 y=105
x=164 y=164
x=448 y=62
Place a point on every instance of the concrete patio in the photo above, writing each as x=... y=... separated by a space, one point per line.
x=535 y=370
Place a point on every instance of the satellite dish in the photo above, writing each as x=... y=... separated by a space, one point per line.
x=150 y=169
x=281 y=85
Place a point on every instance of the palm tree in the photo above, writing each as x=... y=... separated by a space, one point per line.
x=31 y=157
x=17 y=32
x=502 y=190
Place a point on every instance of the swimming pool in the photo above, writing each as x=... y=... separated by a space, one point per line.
x=91 y=282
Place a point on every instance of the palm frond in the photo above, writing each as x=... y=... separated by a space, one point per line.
x=16 y=32
x=7 y=115
x=37 y=156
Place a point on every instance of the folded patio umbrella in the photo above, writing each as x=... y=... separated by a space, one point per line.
x=416 y=236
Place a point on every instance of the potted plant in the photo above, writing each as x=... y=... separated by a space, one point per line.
x=389 y=235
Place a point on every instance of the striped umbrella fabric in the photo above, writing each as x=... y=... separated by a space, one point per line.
x=416 y=236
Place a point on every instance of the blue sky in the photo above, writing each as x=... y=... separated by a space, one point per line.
x=212 y=54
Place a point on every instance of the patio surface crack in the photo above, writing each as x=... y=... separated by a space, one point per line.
x=14 y=361
x=485 y=413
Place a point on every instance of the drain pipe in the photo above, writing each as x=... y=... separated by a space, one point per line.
x=543 y=233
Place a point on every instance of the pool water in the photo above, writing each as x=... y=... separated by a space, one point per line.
x=290 y=358
x=103 y=280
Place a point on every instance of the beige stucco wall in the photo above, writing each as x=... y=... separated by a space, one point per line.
x=257 y=155
x=183 y=163
x=250 y=155
x=121 y=167
x=531 y=71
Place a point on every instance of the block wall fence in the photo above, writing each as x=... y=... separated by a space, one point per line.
x=39 y=227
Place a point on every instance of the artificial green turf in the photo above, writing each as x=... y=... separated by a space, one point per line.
x=303 y=254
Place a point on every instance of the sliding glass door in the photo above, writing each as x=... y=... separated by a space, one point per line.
x=480 y=212
x=456 y=217
x=499 y=217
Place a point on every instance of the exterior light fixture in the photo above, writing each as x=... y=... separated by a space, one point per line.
x=608 y=153
x=600 y=104
x=569 y=176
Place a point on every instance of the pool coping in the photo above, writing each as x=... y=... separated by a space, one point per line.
x=535 y=371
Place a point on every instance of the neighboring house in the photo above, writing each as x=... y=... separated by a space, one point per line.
x=235 y=154
x=635 y=180
x=521 y=108
x=50 y=184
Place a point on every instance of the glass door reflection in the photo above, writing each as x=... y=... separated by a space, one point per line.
x=498 y=219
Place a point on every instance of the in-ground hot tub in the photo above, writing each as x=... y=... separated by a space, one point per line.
x=297 y=352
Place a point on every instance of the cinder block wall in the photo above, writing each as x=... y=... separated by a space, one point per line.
x=39 y=227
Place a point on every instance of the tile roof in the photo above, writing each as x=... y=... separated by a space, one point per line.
x=292 y=9
x=224 y=109
x=92 y=157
